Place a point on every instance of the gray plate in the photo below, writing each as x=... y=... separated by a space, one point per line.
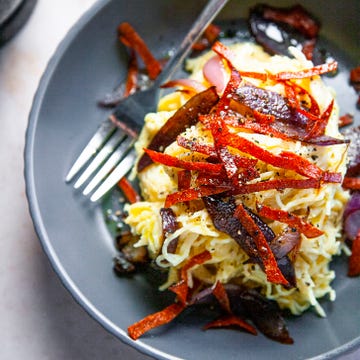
x=90 y=62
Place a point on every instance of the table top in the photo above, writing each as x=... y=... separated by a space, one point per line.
x=39 y=318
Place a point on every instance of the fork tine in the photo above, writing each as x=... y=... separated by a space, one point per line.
x=121 y=170
x=104 y=131
x=110 y=163
x=102 y=155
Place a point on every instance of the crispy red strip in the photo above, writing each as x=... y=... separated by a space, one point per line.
x=346 y=119
x=189 y=84
x=288 y=218
x=354 y=260
x=132 y=75
x=128 y=190
x=181 y=290
x=154 y=320
x=332 y=177
x=314 y=108
x=278 y=184
x=231 y=320
x=319 y=127
x=284 y=160
x=351 y=183
x=131 y=38
x=272 y=270
x=184 y=179
x=173 y=161
x=196 y=146
x=222 y=296
x=193 y=194
x=209 y=36
x=195 y=260
x=316 y=70
x=226 y=53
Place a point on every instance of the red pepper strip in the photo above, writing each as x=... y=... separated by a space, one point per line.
x=316 y=70
x=189 y=84
x=210 y=35
x=184 y=179
x=181 y=288
x=169 y=313
x=278 y=184
x=319 y=126
x=332 y=177
x=222 y=296
x=154 y=320
x=196 y=146
x=346 y=119
x=314 y=108
x=234 y=82
x=205 y=179
x=351 y=183
x=254 y=75
x=132 y=75
x=272 y=270
x=227 y=54
x=354 y=260
x=292 y=220
x=173 y=161
x=128 y=190
x=193 y=194
x=231 y=320
x=132 y=39
x=285 y=160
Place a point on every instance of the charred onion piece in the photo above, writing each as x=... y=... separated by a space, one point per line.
x=185 y=117
x=122 y=266
x=276 y=29
x=169 y=226
x=266 y=315
x=222 y=215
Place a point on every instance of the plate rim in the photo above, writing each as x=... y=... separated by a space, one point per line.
x=33 y=206
x=40 y=228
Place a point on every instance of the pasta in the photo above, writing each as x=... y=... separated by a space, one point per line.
x=322 y=207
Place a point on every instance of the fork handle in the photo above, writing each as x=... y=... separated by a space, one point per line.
x=206 y=17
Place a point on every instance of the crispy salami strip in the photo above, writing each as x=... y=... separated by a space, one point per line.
x=183 y=164
x=132 y=39
x=231 y=321
x=272 y=270
x=185 y=117
x=154 y=320
x=194 y=193
x=128 y=190
x=351 y=183
x=354 y=260
x=292 y=220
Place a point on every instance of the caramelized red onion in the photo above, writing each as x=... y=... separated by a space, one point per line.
x=278 y=28
x=215 y=73
x=185 y=117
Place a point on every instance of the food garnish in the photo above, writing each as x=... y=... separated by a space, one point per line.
x=244 y=176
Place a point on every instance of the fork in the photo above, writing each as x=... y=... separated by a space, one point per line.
x=110 y=153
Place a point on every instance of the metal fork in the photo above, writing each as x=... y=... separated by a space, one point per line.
x=110 y=153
